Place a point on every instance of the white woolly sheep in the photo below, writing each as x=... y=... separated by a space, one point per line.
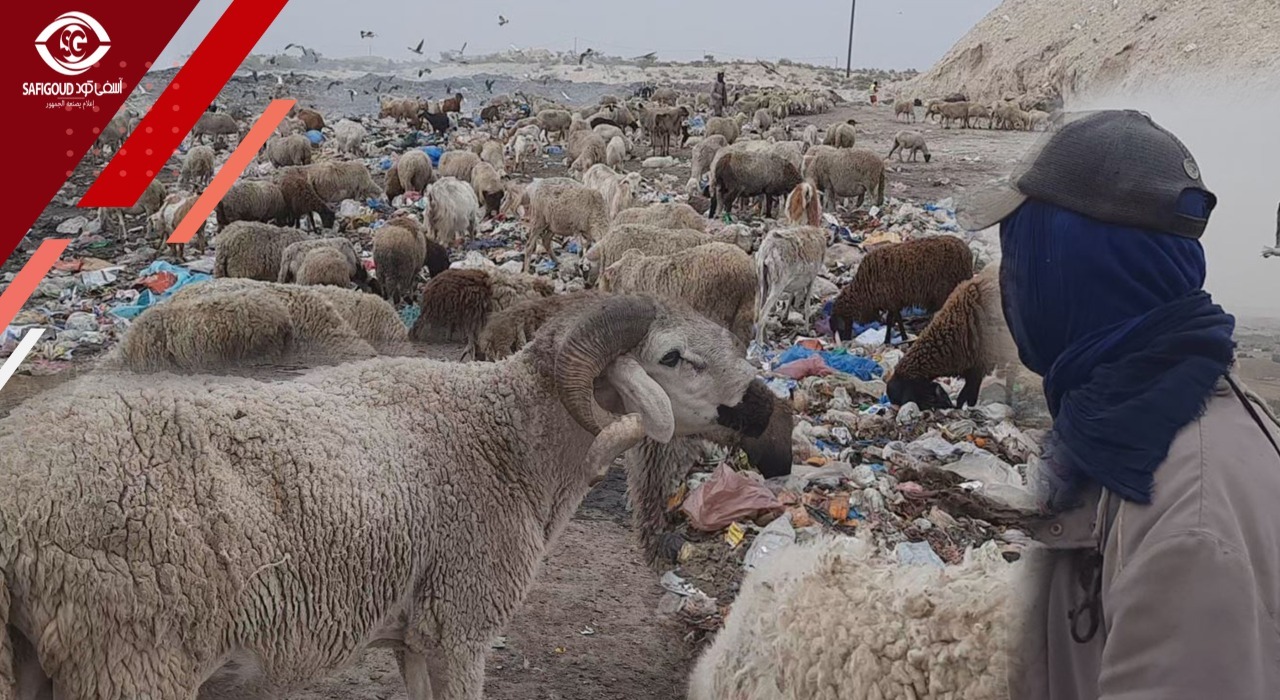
x=288 y=150
x=608 y=131
x=648 y=239
x=371 y=317
x=555 y=121
x=841 y=135
x=452 y=210
x=586 y=148
x=253 y=200
x=335 y=181
x=489 y=188
x=615 y=152
x=349 y=136
x=526 y=150
x=561 y=206
x=811 y=135
x=197 y=168
x=399 y=252
x=215 y=124
x=674 y=215
x=415 y=171
x=788 y=262
x=722 y=126
x=292 y=255
x=171 y=213
x=831 y=619
x=847 y=172
x=702 y=156
x=152 y=199
x=618 y=190
x=491 y=153
x=717 y=279
x=252 y=249
x=904 y=107
x=912 y=141
x=324 y=266
x=763 y=120
x=458 y=164
x=378 y=449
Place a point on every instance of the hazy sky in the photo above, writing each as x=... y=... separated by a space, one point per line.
x=888 y=34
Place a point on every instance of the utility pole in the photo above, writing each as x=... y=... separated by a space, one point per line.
x=848 y=65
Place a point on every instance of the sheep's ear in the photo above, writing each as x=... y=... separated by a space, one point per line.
x=643 y=395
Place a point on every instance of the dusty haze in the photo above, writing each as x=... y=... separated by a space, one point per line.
x=898 y=34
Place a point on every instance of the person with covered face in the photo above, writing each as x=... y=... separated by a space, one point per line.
x=1159 y=575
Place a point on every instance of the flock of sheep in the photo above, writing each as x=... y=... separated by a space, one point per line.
x=189 y=528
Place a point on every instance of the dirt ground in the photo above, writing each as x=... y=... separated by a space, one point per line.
x=590 y=627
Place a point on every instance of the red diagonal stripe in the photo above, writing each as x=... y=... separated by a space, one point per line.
x=182 y=103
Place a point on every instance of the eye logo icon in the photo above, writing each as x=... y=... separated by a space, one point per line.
x=72 y=43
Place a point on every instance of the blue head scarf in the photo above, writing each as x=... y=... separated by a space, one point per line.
x=1116 y=321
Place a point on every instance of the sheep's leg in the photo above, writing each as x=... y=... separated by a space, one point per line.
x=457 y=672
x=972 y=385
x=416 y=673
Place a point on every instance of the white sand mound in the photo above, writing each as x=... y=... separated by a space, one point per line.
x=1081 y=47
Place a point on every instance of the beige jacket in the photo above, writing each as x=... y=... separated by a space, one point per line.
x=1189 y=586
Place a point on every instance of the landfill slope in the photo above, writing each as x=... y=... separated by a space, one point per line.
x=1081 y=47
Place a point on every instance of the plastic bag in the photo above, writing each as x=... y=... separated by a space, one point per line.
x=779 y=534
x=725 y=497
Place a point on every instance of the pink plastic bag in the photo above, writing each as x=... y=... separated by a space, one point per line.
x=727 y=497
x=811 y=366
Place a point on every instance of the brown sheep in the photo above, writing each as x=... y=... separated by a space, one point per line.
x=399 y=251
x=506 y=331
x=919 y=272
x=452 y=105
x=962 y=340
x=311 y=119
x=303 y=202
x=803 y=207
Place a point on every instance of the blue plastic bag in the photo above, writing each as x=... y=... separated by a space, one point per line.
x=316 y=137
x=793 y=353
x=410 y=314
x=434 y=153
x=384 y=164
x=147 y=299
x=863 y=368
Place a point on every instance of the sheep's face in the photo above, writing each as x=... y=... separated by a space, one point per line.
x=925 y=393
x=928 y=157
x=702 y=370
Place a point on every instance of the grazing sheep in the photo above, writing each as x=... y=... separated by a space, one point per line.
x=452 y=210
x=919 y=272
x=953 y=111
x=608 y=132
x=324 y=266
x=335 y=181
x=555 y=121
x=116 y=131
x=716 y=279
x=525 y=150
x=491 y=114
x=302 y=202
x=371 y=317
x=252 y=249
x=832 y=618
x=665 y=96
x=662 y=123
x=978 y=111
x=618 y=190
x=197 y=168
x=902 y=107
x=841 y=135
x=586 y=148
x=749 y=172
x=437 y=258
x=171 y=213
x=215 y=124
x=458 y=164
x=407 y=109
x=415 y=171
x=491 y=153
x=311 y=119
x=725 y=127
x=350 y=136
x=379 y=450
x=507 y=331
x=254 y=200
x=291 y=125
x=615 y=152
x=671 y=215
x=393 y=188
x=787 y=263
x=1037 y=118
x=563 y=207
x=763 y=120
x=847 y=172
x=811 y=135
x=460 y=301
x=440 y=123
x=963 y=340
x=292 y=256
x=703 y=155
x=399 y=252
x=288 y=150
x=803 y=207
x=648 y=239
x=489 y=188
x=912 y=141
x=152 y=199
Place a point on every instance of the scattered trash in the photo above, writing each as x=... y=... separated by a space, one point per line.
x=917 y=554
x=775 y=536
x=726 y=497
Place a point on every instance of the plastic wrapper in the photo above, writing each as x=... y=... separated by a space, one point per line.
x=726 y=497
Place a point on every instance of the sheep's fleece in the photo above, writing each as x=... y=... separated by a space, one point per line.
x=157 y=533
x=829 y=621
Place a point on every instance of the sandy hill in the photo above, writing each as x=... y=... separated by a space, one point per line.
x=1083 y=47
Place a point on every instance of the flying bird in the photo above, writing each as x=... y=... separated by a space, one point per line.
x=488 y=85
x=502 y=20
x=768 y=68
x=583 y=56
x=418 y=49
x=647 y=57
x=463 y=49
x=272 y=60
x=566 y=95
x=367 y=34
x=331 y=84
x=352 y=92
x=423 y=70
